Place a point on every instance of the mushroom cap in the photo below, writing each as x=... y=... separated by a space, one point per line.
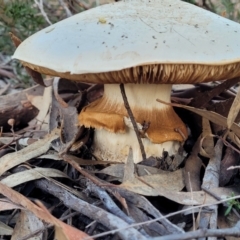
x=152 y=41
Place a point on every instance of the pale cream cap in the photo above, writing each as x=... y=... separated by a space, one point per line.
x=151 y=41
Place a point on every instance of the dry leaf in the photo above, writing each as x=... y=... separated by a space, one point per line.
x=87 y=162
x=26 y=224
x=200 y=197
x=202 y=98
x=42 y=103
x=41 y=212
x=207 y=146
x=14 y=101
x=117 y=170
x=234 y=110
x=7 y=74
x=192 y=169
x=129 y=167
x=5 y=229
x=5 y=204
x=11 y=160
x=212 y=171
x=231 y=158
x=235 y=139
x=32 y=174
x=62 y=230
x=49 y=155
x=211 y=116
x=149 y=185
x=67 y=119
x=14 y=98
x=59 y=99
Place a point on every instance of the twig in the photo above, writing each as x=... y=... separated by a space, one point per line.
x=64 y=5
x=193 y=217
x=107 y=219
x=40 y=230
x=139 y=201
x=110 y=205
x=5 y=89
x=218 y=198
x=206 y=6
x=202 y=233
x=84 y=5
x=180 y=236
x=107 y=201
x=130 y=114
x=40 y=6
x=233 y=167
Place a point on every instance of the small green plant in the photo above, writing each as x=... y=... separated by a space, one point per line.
x=233 y=203
x=19 y=17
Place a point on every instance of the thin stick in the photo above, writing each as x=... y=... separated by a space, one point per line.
x=130 y=114
x=193 y=217
x=65 y=7
x=40 y=6
x=178 y=236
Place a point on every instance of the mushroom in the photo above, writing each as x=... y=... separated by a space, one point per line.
x=147 y=46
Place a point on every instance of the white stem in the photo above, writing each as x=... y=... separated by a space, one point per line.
x=112 y=146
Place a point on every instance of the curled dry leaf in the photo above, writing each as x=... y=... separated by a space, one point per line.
x=57 y=96
x=207 y=143
x=234 y=110
x=42 y=103
x=66 y=116
x=231 y=158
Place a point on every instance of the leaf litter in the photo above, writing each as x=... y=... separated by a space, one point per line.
x=140 y=179
x=58 y=168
